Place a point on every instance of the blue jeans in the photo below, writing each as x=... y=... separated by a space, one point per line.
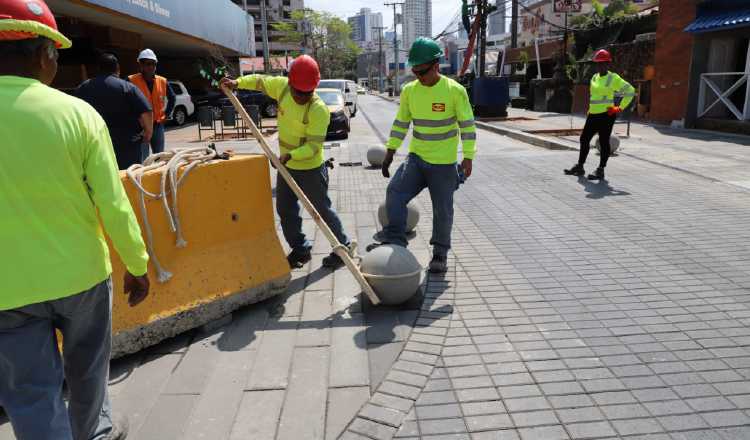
x=31 y=370
x=314 y=183
x=157 y=139
x=410 y=179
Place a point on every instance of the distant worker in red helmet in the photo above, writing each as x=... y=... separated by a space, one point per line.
x=58 y=183
x=303 y=122
x=605 y=87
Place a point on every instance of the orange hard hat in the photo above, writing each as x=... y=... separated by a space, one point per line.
x=304 y=74
x=602 y=56
x=24 y=19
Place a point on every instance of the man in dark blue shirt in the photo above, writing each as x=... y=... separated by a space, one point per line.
x=124 y=108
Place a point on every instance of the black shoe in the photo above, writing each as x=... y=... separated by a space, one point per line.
x=120 y=428
x=333 y=261
x=370 y=247
x=297 y=259
x=576 y=170
x=598 y=174
x=439 y=264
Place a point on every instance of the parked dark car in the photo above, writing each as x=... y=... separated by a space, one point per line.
x=217 y=100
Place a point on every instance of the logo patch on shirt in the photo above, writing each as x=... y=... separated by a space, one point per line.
x=438 y=107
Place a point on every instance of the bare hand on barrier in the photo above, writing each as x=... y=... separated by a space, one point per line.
x=387 y=163
x=229 y=83
x=136 y=287
x=284 y=158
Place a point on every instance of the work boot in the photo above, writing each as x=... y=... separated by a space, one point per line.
x=120 y=428
x=333 y=261
x=370 y=247
x=576 y=170
x=439 y=264
x=297 y=259
x=598 y=174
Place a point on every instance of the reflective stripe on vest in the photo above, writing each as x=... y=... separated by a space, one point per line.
x=398 y=134
x=158 y=99
x=434 y=122
x=435 y=136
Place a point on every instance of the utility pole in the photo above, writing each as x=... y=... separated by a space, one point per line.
x=264 y=29
x=482 y=8
x=380 y=29
x=513 y=32
x=395 y=45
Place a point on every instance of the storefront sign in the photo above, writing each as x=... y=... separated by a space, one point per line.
x=219 y=22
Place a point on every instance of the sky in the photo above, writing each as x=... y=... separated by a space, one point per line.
x=442 y=10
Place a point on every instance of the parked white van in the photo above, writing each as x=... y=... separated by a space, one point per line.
x=348 y=88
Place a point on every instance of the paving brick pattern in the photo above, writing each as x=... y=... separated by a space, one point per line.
x=589 y=311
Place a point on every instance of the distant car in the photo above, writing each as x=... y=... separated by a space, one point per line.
x=361 y=90
x=340 y=116
x=348 y=89
x=183 y=107
x=216 y=100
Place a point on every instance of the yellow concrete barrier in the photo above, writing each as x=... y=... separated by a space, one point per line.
x=233 y=256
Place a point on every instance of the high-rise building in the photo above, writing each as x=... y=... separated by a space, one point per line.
x=364 y=26
x=496 y=21
x=277 y=11
x=417 y=20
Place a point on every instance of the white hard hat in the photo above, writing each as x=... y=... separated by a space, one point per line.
x=147 y=54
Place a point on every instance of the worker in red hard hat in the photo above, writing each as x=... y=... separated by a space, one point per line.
x=303 y=122
x=58 y=183
x=606 y=88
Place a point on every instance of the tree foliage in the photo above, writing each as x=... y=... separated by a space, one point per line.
x=616 y=10
x=327 y=38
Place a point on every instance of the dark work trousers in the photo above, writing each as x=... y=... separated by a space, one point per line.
x=314 y=184
x=600 y=124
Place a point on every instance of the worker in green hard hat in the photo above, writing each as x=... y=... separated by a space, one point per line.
x=441 y=113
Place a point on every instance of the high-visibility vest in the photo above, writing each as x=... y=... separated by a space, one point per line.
x=302 y=128
x=604 y=89
x=158 y=99
x=441 y=115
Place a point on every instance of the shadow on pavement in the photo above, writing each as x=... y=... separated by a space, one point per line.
x=599 y=189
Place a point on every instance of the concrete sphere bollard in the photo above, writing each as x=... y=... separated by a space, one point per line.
x=614 y=144
x=412 y=216
x=376 y=156
x=393 y=272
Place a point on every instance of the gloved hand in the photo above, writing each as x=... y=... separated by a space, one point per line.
x=614 y=110
x=387 y=163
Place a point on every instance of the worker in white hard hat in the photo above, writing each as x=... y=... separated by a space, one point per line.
x=157 y=92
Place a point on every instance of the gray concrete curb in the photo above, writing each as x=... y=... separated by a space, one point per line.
x=529 y=138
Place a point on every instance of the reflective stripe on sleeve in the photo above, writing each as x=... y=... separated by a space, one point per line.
x=466 y=124
x=400 y=124
x=398 y=134
x=468 y=136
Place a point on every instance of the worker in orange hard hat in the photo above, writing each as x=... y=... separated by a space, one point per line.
x=606 y=87
x=303 y=122
x=58 y=182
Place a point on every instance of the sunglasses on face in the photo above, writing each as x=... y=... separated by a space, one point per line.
x=424 y=71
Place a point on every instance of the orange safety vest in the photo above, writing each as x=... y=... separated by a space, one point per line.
x=158 y=99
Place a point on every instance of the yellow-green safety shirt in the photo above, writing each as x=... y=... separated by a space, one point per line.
x=441 y=114
x=57 y=168
x=604 y=89
x=302 y=128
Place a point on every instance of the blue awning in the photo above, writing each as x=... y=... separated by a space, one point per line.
x=720 y=15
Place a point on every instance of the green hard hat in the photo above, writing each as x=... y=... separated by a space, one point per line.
x=424 y=50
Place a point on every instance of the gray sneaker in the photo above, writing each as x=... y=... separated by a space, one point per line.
x=439 y=264
x=120 y=427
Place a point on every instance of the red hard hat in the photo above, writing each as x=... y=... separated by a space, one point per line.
x=24 y=19
x=304 y=75
x=602 y=56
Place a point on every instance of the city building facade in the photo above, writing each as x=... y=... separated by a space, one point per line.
x=277 y=11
